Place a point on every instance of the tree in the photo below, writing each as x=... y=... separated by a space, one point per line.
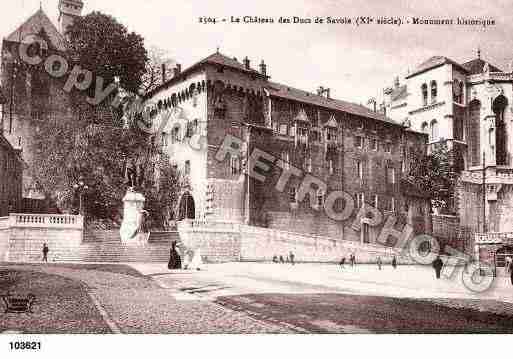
x=93 y=144
x=104 y=46
x=436 y=174
x=153 y=76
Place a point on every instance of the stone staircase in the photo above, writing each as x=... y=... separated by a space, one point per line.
x=96 y=246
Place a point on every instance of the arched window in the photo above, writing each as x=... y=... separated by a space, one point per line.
x=424 y=90
x=434 y=131
x=498 y=106
x=434 y=92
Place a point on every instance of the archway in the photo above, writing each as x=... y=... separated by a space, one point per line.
x=501 y=255
x=187 y=209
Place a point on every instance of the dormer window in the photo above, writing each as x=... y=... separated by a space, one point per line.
x=331 y=134
x=434 y=92
x=424 y=90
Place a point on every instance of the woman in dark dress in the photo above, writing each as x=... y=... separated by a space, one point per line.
x=175 y=262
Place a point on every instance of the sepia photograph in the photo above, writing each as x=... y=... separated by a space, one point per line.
x=267 y=167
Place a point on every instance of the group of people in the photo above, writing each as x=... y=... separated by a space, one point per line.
x=379 y=262
x=291 y=258
x=191 y=259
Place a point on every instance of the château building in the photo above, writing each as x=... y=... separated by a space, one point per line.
x=342 y=144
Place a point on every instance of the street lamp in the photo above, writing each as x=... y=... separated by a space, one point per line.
x=81 y=187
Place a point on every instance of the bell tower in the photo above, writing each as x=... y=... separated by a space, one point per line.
x=68 y=10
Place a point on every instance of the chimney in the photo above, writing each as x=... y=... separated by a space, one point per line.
x=263 y=68
x=177 y=70
x=246 y=63
x=321 y=91
x=396 y=82
x=164 y=73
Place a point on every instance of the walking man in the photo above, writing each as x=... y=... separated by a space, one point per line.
x=379 y=263
x=45 y=252
x=342 y=262
x=292 y=257
x=394 y=262
x=437 y=265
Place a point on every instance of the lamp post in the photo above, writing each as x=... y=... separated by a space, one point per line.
x=81 y=187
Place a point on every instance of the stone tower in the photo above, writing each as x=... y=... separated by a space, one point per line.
x=68 y=10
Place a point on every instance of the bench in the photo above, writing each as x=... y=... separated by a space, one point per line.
x=18 y=304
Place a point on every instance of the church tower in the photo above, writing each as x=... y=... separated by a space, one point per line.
x=68 y=10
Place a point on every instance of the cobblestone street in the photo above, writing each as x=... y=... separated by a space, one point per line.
x=271 y=298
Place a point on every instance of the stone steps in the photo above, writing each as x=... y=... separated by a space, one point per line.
x=97 y=246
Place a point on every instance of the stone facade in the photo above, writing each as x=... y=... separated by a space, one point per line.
x=468 y=106
x=342 y=145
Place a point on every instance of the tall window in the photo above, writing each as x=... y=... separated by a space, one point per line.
x=358 y=141
x=293 y=194
x=235 y=164
x=390 y=175
x=374 y=144
x=424 y=90
x=434 y=131
x=434 y=92
x=360 y=199
x=308 y=164
x=285 y=158
x=331 y=134
x=359 y=170
x=331 y=166
x=187 y=168
x=320 y=198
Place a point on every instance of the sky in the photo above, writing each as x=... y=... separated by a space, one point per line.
x=355 y=62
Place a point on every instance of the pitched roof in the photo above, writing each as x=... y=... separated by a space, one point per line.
x=217 y=59
x=284 y=91
x=220 y=59
x=433 y=62
x=476 y=66
x=37 y=22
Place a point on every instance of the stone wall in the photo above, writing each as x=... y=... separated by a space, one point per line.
x=227 y=242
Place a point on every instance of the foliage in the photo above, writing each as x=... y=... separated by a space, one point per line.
x=436 y=174
x=92 y=144
x=104 y=46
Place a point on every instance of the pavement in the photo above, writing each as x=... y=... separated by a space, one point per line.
x=264 y=298
x=219 y=280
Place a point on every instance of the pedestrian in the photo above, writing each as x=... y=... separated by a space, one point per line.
x=351 y=260
x=197 y=260
x=354 y=260
x=342 y=262
x=45 y=252
x=175 y=262
x=379 y=262
x=292 y=257
x=437 y=265
x=508 y=262
x=282 y=260
x=510 y=270
x=394 y=262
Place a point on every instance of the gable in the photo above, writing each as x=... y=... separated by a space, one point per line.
x=37 y=24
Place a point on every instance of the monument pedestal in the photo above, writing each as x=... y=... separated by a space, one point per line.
x=132 y=216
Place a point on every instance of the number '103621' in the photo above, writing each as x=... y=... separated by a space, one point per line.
x=25 y=345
